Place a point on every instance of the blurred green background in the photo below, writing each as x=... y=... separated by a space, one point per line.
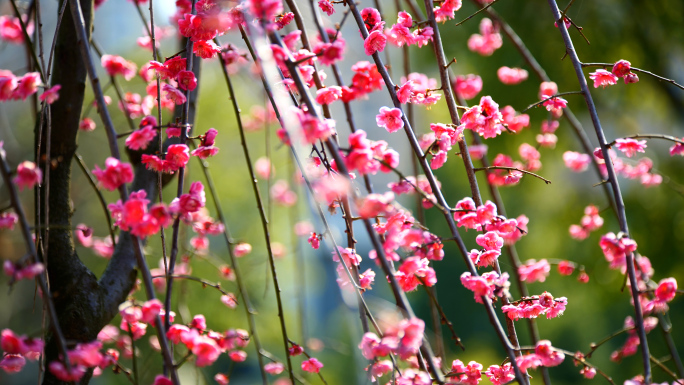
x=648 y=34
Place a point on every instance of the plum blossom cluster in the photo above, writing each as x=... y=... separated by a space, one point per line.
x=141 y=138
x=403 y=339
x=576 y=161
x=677 y=149
x=204 y=225
x=446 y=136
x=553 y=104
x=369 y=157
x=591 y=221
x=511 y=76
x=28 y=175
x=82 y=357
x=467 y=86
x=485 y=218
x=472 y=373
x=8 y=220
x=135 y=216
x=116 y=65
x=177 y=156
x=630 y=146
x=665 y=292
x=544 y=355
x=534 y=271
x=115 y=174
x=376 y=39
x=365 y=80
x=488 y=40
x=621 y=69
x=351 y=260
x=418 y=88
x=512 y=171
x=207 y=345
x=484 y=118
x=18 y=271
x=401 y=33
x=16 y=349
x=631 y=344
x=641 y=170
x=615 y=249
x=311 y=365
x=21 y=87
x=11 y=31
x=488 y=285
x=534 y=306
x=330 y=51
x=400 y=234
x=313 y=128
x=410 y=185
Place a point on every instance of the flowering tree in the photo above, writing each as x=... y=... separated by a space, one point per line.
x=313 y=83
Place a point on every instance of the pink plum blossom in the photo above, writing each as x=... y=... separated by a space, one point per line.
x=390 y=118
x=312 y=365
x=467 y=86
x=621 y=68
x=533 y=271
x=115 y=174
x=242 y=249
x=500 y=375
x=511 y=76
x=87 y=124
x=274 y=368
x=328 y=95
x=172 y=93
x=630 y=146
x=51 y=95
x=576 y=161
x=8 y=220
x=140 y=139
x=28 y=174
x=488 y=41
x=603 y=78
x=116 y=65
x=326 y=6
x=11 y=31
x=375 y=42
x=187 y=80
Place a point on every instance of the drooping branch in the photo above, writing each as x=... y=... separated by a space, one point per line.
x=35 y=258
x=567 y=112
x=262 y=216
x=612 y=177
x=437 y=191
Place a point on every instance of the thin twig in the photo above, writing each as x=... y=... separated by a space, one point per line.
x=399 y=295
x=27 y=41
x=79 y=22
x=31 y=246
x=648 y=136
x=476 y=13
x=512 y=169
x=100 y=197
x=262 y=216
x=551 y=98
x=577 y=64
x=249 y=309
x=606 y=65
x=666 y=370
x=181 y=175
x=567 y=112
